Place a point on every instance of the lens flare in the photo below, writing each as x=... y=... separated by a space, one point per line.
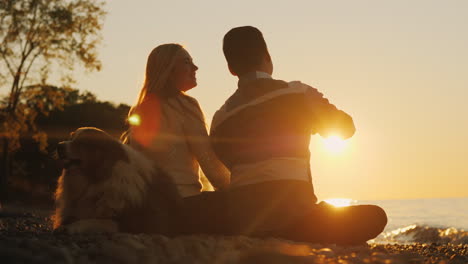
x=134 y=120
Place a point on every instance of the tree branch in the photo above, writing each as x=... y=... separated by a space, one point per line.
x=12 y=72
x=28 y=68
x=32 y=30
x=29 y=40
x=16 y=87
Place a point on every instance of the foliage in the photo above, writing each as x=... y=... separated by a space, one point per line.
x=38 y=101
x=104 y=115
x=35 y=172
x=33 y=34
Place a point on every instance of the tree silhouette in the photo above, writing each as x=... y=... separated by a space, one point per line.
x=35 y=171
x=34 y=34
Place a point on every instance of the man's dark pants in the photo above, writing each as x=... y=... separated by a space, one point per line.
x=283 y=208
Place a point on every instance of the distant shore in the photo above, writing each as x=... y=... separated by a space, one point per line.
x=27 y=237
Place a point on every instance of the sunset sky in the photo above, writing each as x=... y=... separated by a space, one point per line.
x=399 y=68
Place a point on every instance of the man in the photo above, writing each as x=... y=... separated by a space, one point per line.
x=262 y=134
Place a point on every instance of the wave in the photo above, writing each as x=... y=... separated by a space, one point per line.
x=424 y=234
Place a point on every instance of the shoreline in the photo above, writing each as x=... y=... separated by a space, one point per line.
x=27 y=237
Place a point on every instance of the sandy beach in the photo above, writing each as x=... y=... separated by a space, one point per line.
x=27 y=237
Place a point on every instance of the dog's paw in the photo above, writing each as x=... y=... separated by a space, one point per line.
x=92 y=226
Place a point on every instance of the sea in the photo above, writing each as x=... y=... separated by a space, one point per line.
x=424 y=220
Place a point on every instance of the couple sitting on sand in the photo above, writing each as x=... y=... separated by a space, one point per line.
x=257 y=153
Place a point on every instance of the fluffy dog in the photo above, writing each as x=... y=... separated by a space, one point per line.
x=107 y=186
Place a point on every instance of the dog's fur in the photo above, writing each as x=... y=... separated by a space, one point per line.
x=107 y=186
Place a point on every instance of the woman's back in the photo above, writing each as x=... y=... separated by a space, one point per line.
x=173 y=134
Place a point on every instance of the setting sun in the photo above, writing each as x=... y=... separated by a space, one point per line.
x=339 y=202
x=335 y=144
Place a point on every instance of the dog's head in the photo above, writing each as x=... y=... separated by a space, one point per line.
x=101 y=177
x=91 y=152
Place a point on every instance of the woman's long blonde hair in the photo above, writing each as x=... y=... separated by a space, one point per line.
x=159 y=67
x=158 y=80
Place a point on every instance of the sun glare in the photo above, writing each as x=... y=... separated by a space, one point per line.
x=134 y=120
x=335 y=144
x=339 y=202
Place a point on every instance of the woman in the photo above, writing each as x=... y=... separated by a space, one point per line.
x=169 y=126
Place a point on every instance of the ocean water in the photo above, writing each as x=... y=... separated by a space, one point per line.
x=424 y=220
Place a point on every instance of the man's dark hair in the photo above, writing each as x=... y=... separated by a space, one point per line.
x=244 y=49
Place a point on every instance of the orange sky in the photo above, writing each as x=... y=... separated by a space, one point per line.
x=400 y=68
